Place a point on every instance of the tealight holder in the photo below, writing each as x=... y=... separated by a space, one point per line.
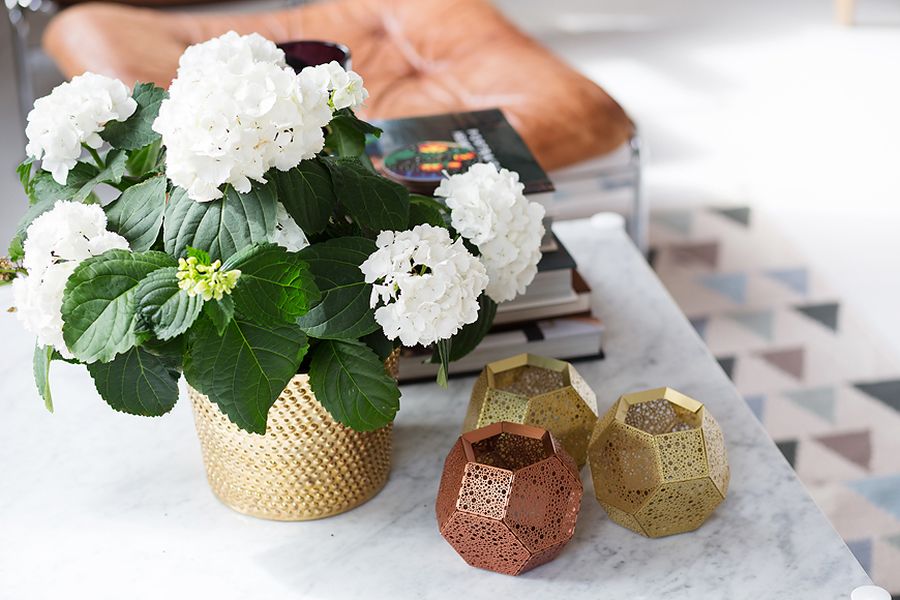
x=509 y=497
x=658 y=462
x=538 y=391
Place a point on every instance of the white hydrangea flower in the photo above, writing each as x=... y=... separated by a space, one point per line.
x=74 y=113
x=57 y=241
x=287 y=233
x=488 y=208
x=345 y=87
x=235 y=110
x=425 y=286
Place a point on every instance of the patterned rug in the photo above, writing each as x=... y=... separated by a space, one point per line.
x=816 y=378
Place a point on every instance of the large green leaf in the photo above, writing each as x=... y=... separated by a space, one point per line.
x=41 y=365
x=244 y=370
x=46 y=189
x=306 y=193
x=136 y=132
x=344 y=311
x=220 y=312
x=348 y=379
x=137 y=382
x=275 y=285
x=221 y=227
x=112 y=173
x=144 y=160
x=98 y=307
x=373 y=201
x=162 y=305
x=137 y=214
x=344 y=137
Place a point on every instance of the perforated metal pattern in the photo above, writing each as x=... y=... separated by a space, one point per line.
x=678 y=507
x=484 y=491
x=629 y=462
x=714 y=443
x=682 y=455
x=539 y=488
x=531 y=507
x=537 y=391
x=658 y=462
x=306 y=466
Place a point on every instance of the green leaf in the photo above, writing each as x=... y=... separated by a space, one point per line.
x=468 y=338
x=344 y=311
x=306 y=193
x=42 y=358
x=379 y=344
x=25 y=178
x=443 y=349
x=352 y=120
x=202 y=256
x=164 y=306
x=348 y=379
x=137 y=214
x=275 y=285
x=425 y=210
x=144 y=160
x=47 y=190
x=137 y=382
x=98 y=308
x=220 y=227
x=220 y=312
x=16 y=245
x=244 y=370
x=136 y=132
x=344 y=138
x=373 y=201
x=112 y=173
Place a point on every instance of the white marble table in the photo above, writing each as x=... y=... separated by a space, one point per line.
x=95 y=504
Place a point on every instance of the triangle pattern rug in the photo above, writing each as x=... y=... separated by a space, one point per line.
x=800 y=376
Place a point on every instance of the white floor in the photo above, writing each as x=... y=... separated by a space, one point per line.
x=766 y=103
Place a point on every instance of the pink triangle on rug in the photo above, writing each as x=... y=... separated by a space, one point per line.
x=855 y=446
x=790 y=361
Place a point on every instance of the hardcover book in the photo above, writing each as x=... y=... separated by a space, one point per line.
x=417 y=150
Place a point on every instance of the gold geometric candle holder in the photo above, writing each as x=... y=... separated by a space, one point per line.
x=509 y=497
x=658 y=462
x=537 y=391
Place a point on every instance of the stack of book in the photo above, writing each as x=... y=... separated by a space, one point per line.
x=554 y=317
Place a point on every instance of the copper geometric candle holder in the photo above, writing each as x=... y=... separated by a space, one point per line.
x=658 y=462
x=509 y=497
x=537 y=391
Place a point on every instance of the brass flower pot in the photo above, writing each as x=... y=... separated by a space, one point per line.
x=306 y=466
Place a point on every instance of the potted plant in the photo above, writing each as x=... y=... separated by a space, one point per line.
x=231 y=230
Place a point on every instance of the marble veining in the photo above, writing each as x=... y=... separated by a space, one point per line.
x=96 y=504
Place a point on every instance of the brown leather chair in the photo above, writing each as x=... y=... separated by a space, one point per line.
x=416 y=56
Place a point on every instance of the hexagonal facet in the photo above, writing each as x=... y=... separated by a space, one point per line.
x=658 y=462
x=509 y=497
x=537 y=391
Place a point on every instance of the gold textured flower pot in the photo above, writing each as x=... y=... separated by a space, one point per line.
x=538 y=391
x=306 y=466
x=658 y=462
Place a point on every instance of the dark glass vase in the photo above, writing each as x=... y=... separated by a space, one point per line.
x=309 y=53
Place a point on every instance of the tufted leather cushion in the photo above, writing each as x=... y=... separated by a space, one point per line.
x=416 y=56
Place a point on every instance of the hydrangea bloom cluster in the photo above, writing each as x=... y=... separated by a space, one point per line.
x=345 y=88
x=488 y=208
x=234 y=111
x=425 y=286
x=287 y=233
x=207 y=281
x=57 y=242
x=73 y=114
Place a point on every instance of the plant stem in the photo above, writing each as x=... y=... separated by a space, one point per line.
x=96 y=156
